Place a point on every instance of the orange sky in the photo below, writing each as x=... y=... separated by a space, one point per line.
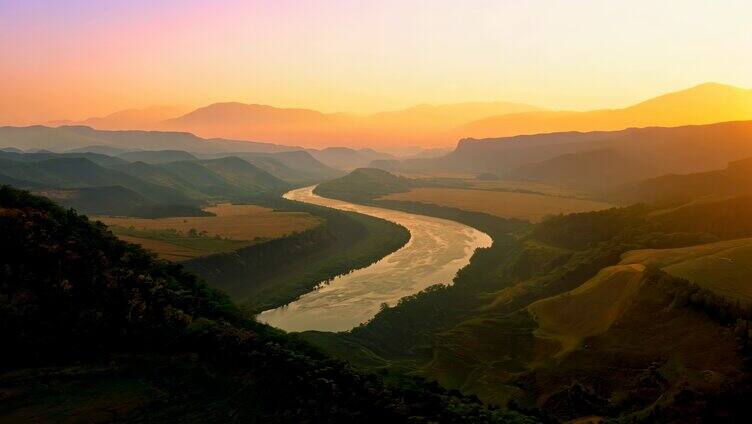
x=82 y=58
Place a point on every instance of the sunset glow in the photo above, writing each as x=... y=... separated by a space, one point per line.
x=83 y=58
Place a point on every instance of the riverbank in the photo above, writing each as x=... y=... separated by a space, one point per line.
x=437 y=250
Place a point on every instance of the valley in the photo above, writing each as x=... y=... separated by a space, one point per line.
x=385 y=212
x=436 y=251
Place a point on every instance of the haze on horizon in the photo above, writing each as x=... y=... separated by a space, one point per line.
x=83 y=58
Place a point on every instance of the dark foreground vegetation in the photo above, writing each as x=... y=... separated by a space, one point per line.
x=98 y=330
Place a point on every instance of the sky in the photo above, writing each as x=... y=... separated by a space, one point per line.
x=80 y=58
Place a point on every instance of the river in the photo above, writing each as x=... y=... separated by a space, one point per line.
x=437 y=249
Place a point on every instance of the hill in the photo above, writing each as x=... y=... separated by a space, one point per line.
x=102 y=150
x=364 y=183
x=81 y=172
x=226 y=178
x=586 y=170
x=347 y=159
x=552 y=320
x=114 y=186
x=734 y=180
x=295 y=167
x=703 y=104
x=101 y=331
x=99 y=159
x=243 y=174
x=69 y=137
x=157 y=156
x=654 y=151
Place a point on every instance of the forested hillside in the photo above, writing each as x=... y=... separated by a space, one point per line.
x=98 y=330
x=567 y=318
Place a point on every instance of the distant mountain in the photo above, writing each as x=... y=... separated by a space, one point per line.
x=133 y=118
x=734 y=180
x=99 y=159
x=703 y=104
x=81 y=138
x=442 y=117
x=419 y=124
x=156 y=156
x=103 y=150
x=254 y=121
x=346 y=158
x=657 y=150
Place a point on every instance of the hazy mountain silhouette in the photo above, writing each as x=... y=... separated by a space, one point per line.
x=81 y=138
x=734 y=180
x=703 y=104
x=127 y=119
x=419 y=124
x=644 y=152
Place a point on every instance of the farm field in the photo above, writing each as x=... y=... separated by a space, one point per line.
x=532 y=207
x=525 y=186
x=233 y=227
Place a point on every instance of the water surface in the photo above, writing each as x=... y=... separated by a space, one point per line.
x=437 y=249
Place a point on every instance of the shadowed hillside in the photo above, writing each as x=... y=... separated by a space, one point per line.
x=98 y=330
x=650 y=151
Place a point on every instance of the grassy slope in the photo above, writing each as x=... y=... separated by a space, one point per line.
x=724 y=267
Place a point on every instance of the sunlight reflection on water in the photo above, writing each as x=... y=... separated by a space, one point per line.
x=437 y=249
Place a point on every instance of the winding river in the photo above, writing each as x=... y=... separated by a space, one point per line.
x=437 y=249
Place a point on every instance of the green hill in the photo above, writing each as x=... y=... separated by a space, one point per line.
x=296 y=167
x=156 y=156
x=550 y=320
x=364 y=184
x=81 y=137
x=98 y=330
x=243 y=174
x=98 y=158
x=734 y=180
x=64 y=172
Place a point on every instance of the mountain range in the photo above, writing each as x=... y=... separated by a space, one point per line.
x=157 y=183
x=437 y=125
x=597 y=159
